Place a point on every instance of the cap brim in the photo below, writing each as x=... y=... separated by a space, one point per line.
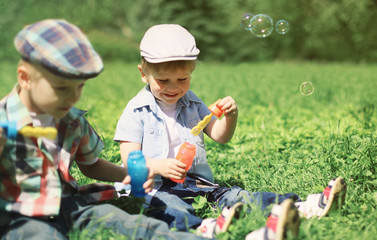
x=169 y=59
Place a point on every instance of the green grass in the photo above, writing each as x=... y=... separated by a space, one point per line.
x=284 y=142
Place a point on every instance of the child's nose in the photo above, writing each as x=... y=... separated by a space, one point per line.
x=172 y=87
x=73 y=96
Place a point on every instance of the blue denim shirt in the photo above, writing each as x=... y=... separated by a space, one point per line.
x=142 y=122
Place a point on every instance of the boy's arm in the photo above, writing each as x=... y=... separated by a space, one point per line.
x=222 y=130
x=106 y=171
x=169 y=168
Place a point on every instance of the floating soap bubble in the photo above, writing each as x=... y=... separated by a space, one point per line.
x=245 y=21
x=282 y=27
x=261 y=25
x=306 y=88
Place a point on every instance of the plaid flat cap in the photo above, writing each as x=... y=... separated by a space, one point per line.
x=168 y=42
x=60 y=47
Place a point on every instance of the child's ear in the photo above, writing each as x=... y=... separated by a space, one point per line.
x=143 y=75
x=23 y=77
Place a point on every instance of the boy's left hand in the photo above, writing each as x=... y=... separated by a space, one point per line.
x=148 y=185
x=228 y=106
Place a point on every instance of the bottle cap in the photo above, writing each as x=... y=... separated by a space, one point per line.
x=136 y=155
x=188 y=146
x=216 y=110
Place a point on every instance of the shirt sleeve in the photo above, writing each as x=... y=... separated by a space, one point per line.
x=204 y=111
x=130 y=125
x=90 y=145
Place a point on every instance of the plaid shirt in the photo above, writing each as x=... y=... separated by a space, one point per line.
x=30 y=182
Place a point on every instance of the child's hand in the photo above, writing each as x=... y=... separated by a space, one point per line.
x=148 y=185
x=127 y=180
x=229 y=107
x=172 y=168
x=222 y=130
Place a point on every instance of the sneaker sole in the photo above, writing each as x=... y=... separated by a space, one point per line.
x=289 y=220
x=233 y=213
x=337 y=196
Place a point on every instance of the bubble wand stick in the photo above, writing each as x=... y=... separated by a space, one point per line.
x=28 y=131
x=215 y=110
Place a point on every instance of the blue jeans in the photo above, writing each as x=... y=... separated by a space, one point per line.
x=75 y=214
x=171 y=205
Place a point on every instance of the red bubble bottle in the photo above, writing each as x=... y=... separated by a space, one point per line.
x=186 y=155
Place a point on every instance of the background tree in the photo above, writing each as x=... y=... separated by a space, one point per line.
x=325 y=30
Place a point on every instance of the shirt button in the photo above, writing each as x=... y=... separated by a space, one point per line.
x=151 y=130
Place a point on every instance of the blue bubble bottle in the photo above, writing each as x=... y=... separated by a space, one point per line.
x=138 y=172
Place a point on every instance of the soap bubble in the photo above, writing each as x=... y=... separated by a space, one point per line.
x=282 y=27
x=245 y=21
x=306 y=88
x=261 y=25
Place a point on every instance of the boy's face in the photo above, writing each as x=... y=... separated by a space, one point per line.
x=168 y=85
x=47 y=93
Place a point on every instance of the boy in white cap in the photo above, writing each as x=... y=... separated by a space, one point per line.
x=39 y=199
x=160 y=118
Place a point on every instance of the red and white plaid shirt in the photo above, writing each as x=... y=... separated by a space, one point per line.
x=30 y=182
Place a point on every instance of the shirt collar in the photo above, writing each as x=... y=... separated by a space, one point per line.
x=16 y=111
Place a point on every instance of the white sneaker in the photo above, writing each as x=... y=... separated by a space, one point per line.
x=332 y=197
x=284 y=218
x=211 y=226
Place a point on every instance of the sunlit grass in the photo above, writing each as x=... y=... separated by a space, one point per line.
x=284 y=142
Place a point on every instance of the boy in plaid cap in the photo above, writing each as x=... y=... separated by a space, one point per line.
x=160 y=118
x=39 y=199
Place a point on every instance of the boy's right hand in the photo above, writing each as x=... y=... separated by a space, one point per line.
x=172 y=168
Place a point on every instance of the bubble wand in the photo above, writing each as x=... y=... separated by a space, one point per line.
x=28 y=131
x=215 y=110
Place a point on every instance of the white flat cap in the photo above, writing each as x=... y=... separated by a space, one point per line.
x=168 y=42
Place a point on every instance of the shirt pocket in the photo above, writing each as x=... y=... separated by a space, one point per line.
x=153 y=140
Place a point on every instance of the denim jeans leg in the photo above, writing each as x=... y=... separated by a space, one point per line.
x=33 y=229
x=261 y=199
x=106 y=216
x=173 y=210
x=172 y=203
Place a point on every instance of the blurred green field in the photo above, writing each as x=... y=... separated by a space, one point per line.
x=284 y=142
